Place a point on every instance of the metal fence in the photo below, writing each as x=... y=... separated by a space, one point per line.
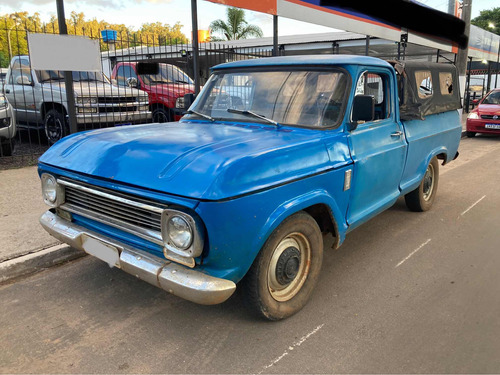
x=143 y=79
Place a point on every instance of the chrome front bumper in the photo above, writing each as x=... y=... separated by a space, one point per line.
x=113 y=117
x=178 y=280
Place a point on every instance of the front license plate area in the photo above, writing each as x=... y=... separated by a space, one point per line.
x=492 y=126
x=101 y=250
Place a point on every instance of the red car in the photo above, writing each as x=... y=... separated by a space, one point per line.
x=166 y=87
x=485 y=118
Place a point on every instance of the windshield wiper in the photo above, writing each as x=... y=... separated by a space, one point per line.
x=253 y=114
x=52 y=79
x=191 y=112
x=158 y=81
x=181 y=81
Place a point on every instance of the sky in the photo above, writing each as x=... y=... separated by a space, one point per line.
x=134 y=13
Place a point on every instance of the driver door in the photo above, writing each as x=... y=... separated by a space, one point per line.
x=378 y=148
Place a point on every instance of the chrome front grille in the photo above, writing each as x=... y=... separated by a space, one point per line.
x=490 y=117
x=117 y=99
x=129 y=213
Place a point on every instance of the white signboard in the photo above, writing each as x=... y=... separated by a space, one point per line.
x=64 y=52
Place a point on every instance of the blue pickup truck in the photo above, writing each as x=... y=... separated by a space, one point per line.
x=273 y=155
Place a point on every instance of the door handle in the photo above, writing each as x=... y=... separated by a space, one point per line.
x=7 y=91
x=397 y=134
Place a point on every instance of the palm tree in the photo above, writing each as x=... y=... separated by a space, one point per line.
x=236 y=26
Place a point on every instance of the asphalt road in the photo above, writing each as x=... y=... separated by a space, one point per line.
x=406 y=293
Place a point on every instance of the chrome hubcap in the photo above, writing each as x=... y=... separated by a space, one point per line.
x=289 y=267
x=428 y=182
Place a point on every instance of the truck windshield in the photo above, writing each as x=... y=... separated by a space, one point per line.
x=167 y=74
x=302 y=98
x=56 y=75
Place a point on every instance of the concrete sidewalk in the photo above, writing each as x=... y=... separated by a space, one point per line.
x=25 y=246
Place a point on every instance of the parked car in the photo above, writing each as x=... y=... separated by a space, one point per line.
x=3 y=73
x=485 y=118
x=242 y=191
x=166 y=85
x=39 y=100
x=7 y=127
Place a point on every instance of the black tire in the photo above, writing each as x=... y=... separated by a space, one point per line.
x=55 y=126
x=7 y=148
x=422 y=198
x=285 y=272
x=470 y=134
x=161 y=114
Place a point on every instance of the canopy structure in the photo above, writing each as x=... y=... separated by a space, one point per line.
x=416 y=23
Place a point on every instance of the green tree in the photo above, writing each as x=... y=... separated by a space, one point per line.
x=488 y=20
x=15 y=27
x=235 y=27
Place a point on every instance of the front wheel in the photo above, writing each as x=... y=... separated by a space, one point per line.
x=7 y=148
x=421 y=198
x=161 y=114
x=284 y=274
x=55 y=126
x=470 y=134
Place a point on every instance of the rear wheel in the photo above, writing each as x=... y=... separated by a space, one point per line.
x=284 y=274
x=55 y=126
x=421 y=198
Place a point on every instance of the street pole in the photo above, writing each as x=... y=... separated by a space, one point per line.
x=463 y=52
x=451 y=7
x=10 y=47
x=488 y=80
x=367 y=46
x=196 y=70
x=498 y=60
x=68 y=76
x=275 y=35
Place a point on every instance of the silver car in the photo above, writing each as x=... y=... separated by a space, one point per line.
x=7 y=127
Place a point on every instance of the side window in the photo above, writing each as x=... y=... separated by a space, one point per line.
x=424 y=83
x=446 y=83
x=120 y=77
x=375 y=84
x=20 y=73
x=123 y=73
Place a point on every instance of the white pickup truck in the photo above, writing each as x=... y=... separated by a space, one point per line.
x=39 y=100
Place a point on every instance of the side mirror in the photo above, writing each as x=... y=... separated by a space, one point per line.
x=23 y=80
x=188 y=100
x=363 y=109
x=132 y=82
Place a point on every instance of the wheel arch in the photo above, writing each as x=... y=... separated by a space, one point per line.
x=47 y=106
x=317 y=203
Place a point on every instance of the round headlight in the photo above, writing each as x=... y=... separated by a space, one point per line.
x=179 y=232
x=49 y=188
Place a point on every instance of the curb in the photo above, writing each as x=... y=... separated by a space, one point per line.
x=34 y=262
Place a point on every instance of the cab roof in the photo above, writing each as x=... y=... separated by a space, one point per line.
x=304 y=60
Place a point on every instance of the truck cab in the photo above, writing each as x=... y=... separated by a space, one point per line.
x=165 y=84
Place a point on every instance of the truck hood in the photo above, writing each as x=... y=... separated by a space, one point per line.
x=171 y=89
x=95 y=89
x=209 y=161
x=488 y=109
